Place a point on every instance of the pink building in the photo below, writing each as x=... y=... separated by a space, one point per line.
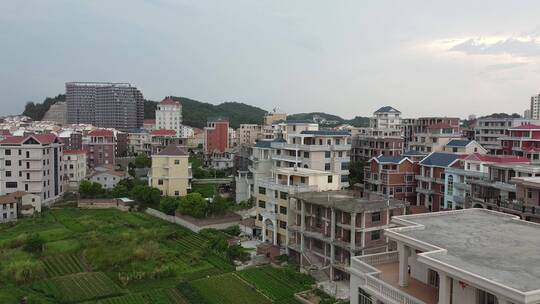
x=216 y=135
x=100 y=148
x=522 y=141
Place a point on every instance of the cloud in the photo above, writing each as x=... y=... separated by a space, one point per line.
x=514 y=46
x=505 y=66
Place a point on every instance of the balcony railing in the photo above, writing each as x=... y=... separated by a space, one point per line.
x=363 y=266
x=272 y=185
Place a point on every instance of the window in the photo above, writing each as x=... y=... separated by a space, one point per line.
x=306 y=154
x=160 y=181
x=329 y=179
x=11 y=185
x=177 y=162
x=450 y=188
x=344 y=178
x=455 y=150
x=327 y=154
x=302 y=180
x=8 y=152
x=529 y=194
x=262 y=204
x=262 y=190
x=375 y=235
x=283 y=195
x=344 y=166
x=8 y=173
x=282 y=224
x=282 y=210
x=260 y=217
x=176 y=193
x=433 y=278
x=375 y=217
x=8 y=162
x=327 y=166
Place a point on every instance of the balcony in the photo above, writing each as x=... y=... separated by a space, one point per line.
x=462 y=186
x=379 y=275
x=311 y=148
x=272 y=185
x=289 y=158
x=424 y=190
x=424 y=178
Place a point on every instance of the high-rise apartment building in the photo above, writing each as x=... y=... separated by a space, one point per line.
x=33 y=164
x=169 y=115
x=535 y=107
x=105 y=104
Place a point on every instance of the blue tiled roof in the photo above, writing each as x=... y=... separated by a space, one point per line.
x=458 y=143
x=387 y=109
x=439 y=159
x=327 y=132
x=389 y=159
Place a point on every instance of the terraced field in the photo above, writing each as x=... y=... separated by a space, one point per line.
x=228 y=289
x=63 y=264
x=170 y=296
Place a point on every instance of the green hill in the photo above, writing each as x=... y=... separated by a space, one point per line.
x=330 y=120
x=36 y=111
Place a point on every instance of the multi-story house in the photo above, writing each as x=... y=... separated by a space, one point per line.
x=216 y=135
x=105 y=105
x=442 y=259
x=248 y=134
x=72 y=140
x=527 y=202
x=329 y=228
x=169 y=115
x=392 y=177
x=407 y=126
x=171 y=171
x=497 y=190
x=162 y=138
x=522 y=140
x=32 y=164
x=139 y=143
x=464 y=146
x=8 y=208
x=272 y=117
x=107 y=176
x=431 y=134
x=383 y=137
x=474 y=168
x=75 y=165
x=489 y=130
x=100 y=147
x=430 y=189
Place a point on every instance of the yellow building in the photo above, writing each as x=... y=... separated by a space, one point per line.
x=171 y=171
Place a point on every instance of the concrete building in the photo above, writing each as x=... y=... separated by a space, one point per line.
x=248 y=134
x=489 y=130
x=464 y=146
x=392 y=177
x=100 y=147
x=169 y=115
x=524 y=141
x=442 y=259
x=160 y=139
x=386 y=117
x=474 y=168
x=72 y=140
x=107 y=176
x=75 y=167
x=216 y=135
x=32 y=164
x=431 y=134
x=139 y=143
x=105 y=105
x=8 y=209
x=535 y=107
x=272 y=117
x=329 y=228
x=430 y=191
x=407 y=126
x=171 y=171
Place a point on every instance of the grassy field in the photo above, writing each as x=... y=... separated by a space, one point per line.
x=109 y=257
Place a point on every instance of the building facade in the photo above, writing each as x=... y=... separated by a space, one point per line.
x=75 y=167
x=33 y=164
x=105 y=105
x=169 y=115
x=100 y=147
x=489 y=130
x=524 y=141
x=431 y=134
x=248 y=134
x=216 y=135
x=171 y=171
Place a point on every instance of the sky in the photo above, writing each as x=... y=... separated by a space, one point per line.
x=444 y=58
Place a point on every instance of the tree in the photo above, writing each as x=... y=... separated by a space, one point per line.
x=169 y=205
x=146 y=195
x=119 y=191
x=219 y=205
x=143 y=161
x=193 y=205
x=88 y=189
x=34 y=244
x=356 y=169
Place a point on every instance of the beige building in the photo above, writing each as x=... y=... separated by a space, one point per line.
x=74 y=167
x=8 y=209
x=464 y=146
x=34 y=164
x=171 y=171
x=248 y=134
x=272 y=117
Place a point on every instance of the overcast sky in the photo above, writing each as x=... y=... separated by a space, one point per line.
x=343 y=57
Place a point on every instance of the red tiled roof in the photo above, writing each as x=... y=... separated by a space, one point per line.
x=163 y=132
x=497 y=158
x=74 y=152
x=101 y=132
x=526 y=127
x=149 y=121
x=169 y=101
x=46 y=138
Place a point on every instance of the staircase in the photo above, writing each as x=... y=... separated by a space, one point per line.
x=315 y=267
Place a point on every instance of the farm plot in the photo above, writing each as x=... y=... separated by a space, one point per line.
x=228 y=288
x=171 y=296
x=277 y=284
x=60 y=265
x=189 y=242
x=79 y=287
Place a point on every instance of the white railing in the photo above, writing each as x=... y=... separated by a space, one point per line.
x=371 y=275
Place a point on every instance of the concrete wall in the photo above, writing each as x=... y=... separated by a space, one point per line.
x=186 y=224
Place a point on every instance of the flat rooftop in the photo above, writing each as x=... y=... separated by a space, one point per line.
x=301 y=171
x=348 y=201
x=494 y=246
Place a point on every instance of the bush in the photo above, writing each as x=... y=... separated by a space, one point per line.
x=88 y=189
x=24 y=271
x=193 y=205
x=34 y=244
x=233 y=230
x=169 y=205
